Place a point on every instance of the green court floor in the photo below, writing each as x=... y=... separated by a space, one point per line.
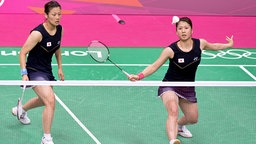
x=133 y=115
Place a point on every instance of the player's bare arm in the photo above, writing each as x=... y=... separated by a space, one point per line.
x=205 y=45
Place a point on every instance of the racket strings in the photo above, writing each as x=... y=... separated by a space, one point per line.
x=98 y=51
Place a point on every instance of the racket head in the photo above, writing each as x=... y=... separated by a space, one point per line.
x=98 y=51
x=19 y=108
x=19 y=103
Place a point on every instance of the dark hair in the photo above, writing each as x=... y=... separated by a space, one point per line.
x=51 y=4
x=185 y=19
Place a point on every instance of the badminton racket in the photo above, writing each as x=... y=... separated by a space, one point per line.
x=19 y=104
x=100 y=53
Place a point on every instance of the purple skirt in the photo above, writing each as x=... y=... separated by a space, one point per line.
x=187 y=93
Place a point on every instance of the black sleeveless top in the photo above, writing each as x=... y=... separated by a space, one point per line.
x=183 y=66
x=40 y=57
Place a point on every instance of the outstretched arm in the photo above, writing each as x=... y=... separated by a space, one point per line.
x=204 y=45
x=165 y=55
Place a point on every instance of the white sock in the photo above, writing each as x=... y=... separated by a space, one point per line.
x=47 y=136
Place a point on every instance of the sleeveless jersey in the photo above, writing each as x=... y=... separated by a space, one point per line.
x=40 y=57
x=183 y=66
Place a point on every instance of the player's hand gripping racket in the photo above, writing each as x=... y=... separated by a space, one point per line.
x=100 y=53
x=19 y=104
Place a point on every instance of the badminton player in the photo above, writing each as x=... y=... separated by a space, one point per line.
x=184 y=56
x=42 y=43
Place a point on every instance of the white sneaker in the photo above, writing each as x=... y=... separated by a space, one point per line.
x=23 y=118
x=46 y=141
x=183 y=131
x=175 y=141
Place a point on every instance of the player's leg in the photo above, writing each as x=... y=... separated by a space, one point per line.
x=47 y=96
x=33 y=103
x=190 y=111
x=170 y=100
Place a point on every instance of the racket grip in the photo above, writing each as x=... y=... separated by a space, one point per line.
x=128 y=75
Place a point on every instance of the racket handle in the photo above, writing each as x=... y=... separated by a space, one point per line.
x=128 y=75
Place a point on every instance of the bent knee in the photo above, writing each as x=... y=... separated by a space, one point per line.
x=50 y=102
x=193 y=120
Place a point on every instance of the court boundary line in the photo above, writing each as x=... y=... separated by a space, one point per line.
x=249 y=73
x=76 y=119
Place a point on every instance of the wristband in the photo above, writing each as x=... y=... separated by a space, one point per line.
x=23 y=72
x=141 y=76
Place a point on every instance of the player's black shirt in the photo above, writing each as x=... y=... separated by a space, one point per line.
x=40 y=57
x=183 y=66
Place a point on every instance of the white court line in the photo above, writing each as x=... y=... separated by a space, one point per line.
x=77 y=120
x=249 y=73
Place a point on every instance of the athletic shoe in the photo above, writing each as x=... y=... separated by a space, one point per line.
x=175 y=141
x=46 y=141
x=183 y=131
x=23 y=118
